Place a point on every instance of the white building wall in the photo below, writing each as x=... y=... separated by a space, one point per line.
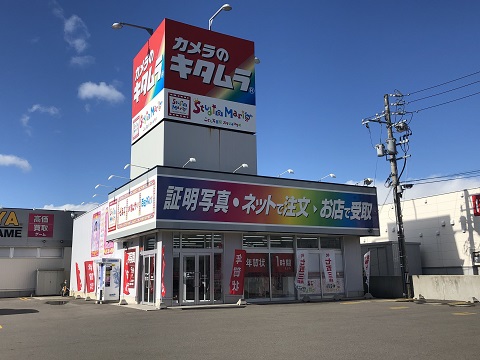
x=444 y=225
x=173 y=143
x=352 y=262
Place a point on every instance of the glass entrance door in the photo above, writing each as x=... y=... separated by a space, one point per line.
x=148 y=296
x=197 y=279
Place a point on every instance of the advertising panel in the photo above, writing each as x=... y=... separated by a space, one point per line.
x=192 y=199
x=238 y=273
x=40 y=225
x=190 y=74
x=133 y=207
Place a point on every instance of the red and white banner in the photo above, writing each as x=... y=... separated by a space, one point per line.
x=476 y=204
x=329 y=269
x=366 y=267
x=238 y=272
x=79 y=277
x=129 y=270
x=282 y=263
x=256 y=264
x=301 y=279
x=164 y=291
x=89 y=277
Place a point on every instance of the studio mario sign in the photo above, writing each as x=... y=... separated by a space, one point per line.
x=193 y=75
x=212 y=201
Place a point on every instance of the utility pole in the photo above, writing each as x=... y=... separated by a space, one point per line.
x=397 y=194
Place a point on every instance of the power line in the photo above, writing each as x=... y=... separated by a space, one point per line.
x=443 y=92
x=446 y=102
x=466 y=174
x=445 y=83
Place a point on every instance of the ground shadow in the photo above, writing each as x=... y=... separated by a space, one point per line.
x=17 y=311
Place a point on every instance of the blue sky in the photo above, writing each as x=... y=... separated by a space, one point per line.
x=325 y=65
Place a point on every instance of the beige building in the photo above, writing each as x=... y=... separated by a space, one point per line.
x=446 y=227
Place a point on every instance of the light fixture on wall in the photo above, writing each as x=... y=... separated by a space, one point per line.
x=119 y=25
x=365 y=182
x=117 y=176
x=290 y=171
x=329 y=175
x=191 y=160
x=241 y=166
x=99 y=185
x=420 y=235
x=442 y=223
x=141 y=167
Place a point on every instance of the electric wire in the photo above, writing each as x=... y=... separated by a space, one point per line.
x=446 y=102
x=445 y=83
x=461 y=175
x=443 y=92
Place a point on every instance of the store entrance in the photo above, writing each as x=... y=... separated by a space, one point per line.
x=197 y=279
x=148 y=280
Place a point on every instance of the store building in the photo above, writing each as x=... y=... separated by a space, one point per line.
x=35 y=251
x=446 y=227
x=207 y=229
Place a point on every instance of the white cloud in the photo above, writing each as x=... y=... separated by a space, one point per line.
x=82 y=60
x=100 y=91
x=25 y=119
x=74 y=29
x=72 y=207
x=12 y=160
x=51 y=110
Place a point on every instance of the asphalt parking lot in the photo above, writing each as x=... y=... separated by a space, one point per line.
x=30 y=328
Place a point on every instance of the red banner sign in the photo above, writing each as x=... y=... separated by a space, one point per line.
x=256 y=264
x=238 y=273
x=164 y=291
x=476 y=204
x=40 y=225
x=282 y=263
x=129 y=270
x=79 y=278
x=89 y=277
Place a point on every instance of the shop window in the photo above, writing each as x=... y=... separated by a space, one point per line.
x=255 y=241
x=176 y=241
x=257 y=277
x=217 y=277
x=51 y=253
x=4 y=252
x=196 y=241
x=283 y=275
x=25 y=252
x=150 y=243
x=278 y=241
x=332 y=273
x=218 y=241
x=330 y=243
x=307 y=242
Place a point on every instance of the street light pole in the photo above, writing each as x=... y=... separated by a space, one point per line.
x=397 y=193
x=225 y=7
x=119 y=25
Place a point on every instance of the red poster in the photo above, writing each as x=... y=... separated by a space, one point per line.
x=282 y=263
x=476 y=204
x=256 y=264
x=129 y=270
x=238 y=272
x=40 y=225
x=164 y=291
x=89 y=277
x=79 y=278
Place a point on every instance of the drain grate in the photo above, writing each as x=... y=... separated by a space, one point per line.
x=56 y=302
